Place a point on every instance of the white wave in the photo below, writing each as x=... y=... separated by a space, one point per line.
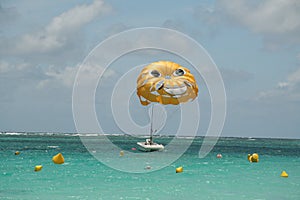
x=11 y=133
x=53 y=147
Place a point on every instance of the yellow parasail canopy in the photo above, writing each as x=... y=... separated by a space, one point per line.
x=166 y=82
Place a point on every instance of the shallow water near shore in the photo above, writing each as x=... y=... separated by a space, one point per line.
x=82 y=176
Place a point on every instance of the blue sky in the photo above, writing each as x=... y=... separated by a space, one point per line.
x=255 y=44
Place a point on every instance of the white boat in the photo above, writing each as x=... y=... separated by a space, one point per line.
x=149 y=145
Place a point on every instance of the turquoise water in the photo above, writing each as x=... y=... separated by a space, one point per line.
x=84 y=177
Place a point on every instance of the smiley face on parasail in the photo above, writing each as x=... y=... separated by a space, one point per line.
x=166 y=82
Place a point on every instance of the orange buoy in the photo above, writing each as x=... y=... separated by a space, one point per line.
x=58 y=159
x=17 y=153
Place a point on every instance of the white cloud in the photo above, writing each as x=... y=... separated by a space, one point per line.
x=61 y=29
x=20 y=75
x=66 y=77
x=6 y=67
x=277 y=20
x=270 y=17
x=282 y=85
x=294 y=78
x=288 y=89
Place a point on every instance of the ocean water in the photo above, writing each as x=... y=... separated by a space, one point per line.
x=82 y=176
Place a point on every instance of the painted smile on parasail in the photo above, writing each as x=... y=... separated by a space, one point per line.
x=166 y=82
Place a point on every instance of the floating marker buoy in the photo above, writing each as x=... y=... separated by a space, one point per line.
x=38 y=168
x=253 y=158
x=219 y=155
x=148 y=167
x=17 y=152
x=284 y=174
x=179 y=169
x=58 y=159
x=133 y=149
x=121 y=153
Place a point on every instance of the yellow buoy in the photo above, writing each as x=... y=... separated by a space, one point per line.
x=121 y=153
x=58 y=159
x=284 y=174
x=38 y=168
x=249 y=157
x=179 y=169
x=253 y=158
x=17 y=152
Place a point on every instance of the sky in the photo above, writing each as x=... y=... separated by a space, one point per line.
x=255 y=45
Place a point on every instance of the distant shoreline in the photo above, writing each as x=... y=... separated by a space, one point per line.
x=59 y=134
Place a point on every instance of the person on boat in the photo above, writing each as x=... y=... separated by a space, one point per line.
x=148 y=142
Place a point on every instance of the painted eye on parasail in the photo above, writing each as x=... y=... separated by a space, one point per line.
x=179 y=72
x=155 y=73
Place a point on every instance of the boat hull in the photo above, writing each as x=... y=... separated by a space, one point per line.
x=144 y=146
